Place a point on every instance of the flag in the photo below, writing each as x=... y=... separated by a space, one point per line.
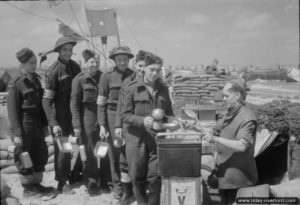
x=102 y=22
x=66 y=31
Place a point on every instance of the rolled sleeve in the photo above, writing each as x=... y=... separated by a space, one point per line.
x=127 y=111
x=247 y=132
x=75 y=102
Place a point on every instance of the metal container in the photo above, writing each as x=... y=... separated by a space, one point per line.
x=26 y=160
x=64 y=145
x=179 y=154
x=101 y=149
x=82 y=153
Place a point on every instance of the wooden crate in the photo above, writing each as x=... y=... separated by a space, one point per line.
x=293 y=158
x=181 y=191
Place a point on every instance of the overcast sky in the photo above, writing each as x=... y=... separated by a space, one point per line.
x=190 y=32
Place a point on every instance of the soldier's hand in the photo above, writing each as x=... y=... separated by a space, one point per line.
x=148 y=122
x=118 y=132
x=57 y=130
x=103 y=134
x=77 y=132
x=49 y=140
x=18 y=142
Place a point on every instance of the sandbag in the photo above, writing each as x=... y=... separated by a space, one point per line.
x=4 y=123
x=289 y=189
x=9 y=170
x=50 y=150
x=49 y=167
x=10 y=200
x=4 y=154
x=4 y=143
x=5 y=189
x=6 y=163
x=50 y=159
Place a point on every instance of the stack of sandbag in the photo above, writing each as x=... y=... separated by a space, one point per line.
x=6 y=158
x=8 y=164
x=201 y=86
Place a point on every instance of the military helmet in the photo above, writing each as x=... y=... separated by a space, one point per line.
x=120 y=50
x=62 y=41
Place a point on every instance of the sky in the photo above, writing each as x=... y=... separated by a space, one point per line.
x=183 y=33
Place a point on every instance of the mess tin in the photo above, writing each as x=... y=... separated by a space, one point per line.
x=26 y=160
x=82 y=153
x=101 y=149
x=171 y=126
x=64 y=144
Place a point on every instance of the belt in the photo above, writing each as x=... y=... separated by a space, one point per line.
x=112 y=107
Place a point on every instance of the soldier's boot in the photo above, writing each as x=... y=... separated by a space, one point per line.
x=62 y=187
x=140 y=193
x=29 y=191
x=128 y=196
x=154 y=192
x=43 y=189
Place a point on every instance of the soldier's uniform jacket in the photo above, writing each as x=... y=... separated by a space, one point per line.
x=84 y=97
x=125 y=86
x=139 y=103
x=58 y=80
x=25 y=96
x=109 y=87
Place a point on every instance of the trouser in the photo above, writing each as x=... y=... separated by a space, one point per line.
x=114 y=155
x=125 y=178
x=141 y=155
x=33 y=143
x=90 y=138
x=62 y=161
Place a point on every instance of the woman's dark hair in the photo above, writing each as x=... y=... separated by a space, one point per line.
x=236 y=88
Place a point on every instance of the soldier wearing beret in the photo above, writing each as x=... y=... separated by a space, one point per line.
x=121 y=128
x=141 y=98
x=56 y=103
x=109 y=87
x=84 y=115
x=28 y=121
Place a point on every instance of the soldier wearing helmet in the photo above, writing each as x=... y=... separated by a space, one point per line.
x=56 y=103
x=109 y=87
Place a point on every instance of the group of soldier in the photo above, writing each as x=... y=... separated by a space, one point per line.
x=93 y=106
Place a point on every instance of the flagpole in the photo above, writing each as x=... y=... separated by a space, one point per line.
x=84 y=6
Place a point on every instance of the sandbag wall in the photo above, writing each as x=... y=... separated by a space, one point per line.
x=202 y=87
x=7 y=159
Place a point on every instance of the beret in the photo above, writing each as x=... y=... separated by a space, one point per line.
x=140 y=56
x=24 y=55
x=87 y=54
x=152 y=59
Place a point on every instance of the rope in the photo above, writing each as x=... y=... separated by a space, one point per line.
x=43 y=17
x=133 y=35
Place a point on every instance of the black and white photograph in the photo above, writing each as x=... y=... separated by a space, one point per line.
x=165 y=102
